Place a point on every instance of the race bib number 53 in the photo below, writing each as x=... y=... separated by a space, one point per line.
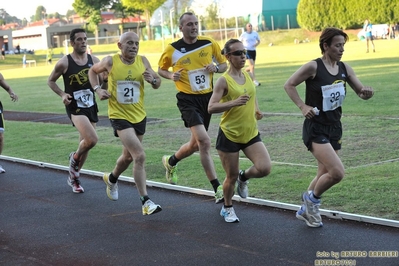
x=199 y=79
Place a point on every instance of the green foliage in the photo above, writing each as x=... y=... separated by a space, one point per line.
x=315 y=15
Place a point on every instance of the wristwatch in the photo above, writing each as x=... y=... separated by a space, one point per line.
x=96 y=87
x=154 y=81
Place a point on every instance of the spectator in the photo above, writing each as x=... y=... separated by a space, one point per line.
x=368 y=29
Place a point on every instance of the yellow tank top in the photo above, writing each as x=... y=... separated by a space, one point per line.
x=126 y=86
x=239 y=123
x=192 y=58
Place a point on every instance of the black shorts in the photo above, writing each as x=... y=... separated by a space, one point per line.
x=226 y=145
x=194 y=109
x=90 y=112
x=319 y=133
x=1 y=118
x=121 y=124
x=251 y=54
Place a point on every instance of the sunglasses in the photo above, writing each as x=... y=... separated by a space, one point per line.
x=239 y=52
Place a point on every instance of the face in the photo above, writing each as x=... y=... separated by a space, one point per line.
x=129 y=45
x=237 y=55
x=189 y=27
x=80 y=43
x=249 y=28
x=336 y=49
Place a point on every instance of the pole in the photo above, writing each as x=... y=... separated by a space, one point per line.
x=171 y=23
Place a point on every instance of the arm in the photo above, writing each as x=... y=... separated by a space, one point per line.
x=219 y=91
x=303 y=73
x=59 y=69
x=103 y=66
x=8 y=89
x=149 y=74
x=363 y=92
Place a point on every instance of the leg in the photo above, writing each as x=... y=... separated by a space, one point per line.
x=133 y=151
x=330 y=168
x=230 y=162
x=88 y=137
x=1 y=148
x=260 y=158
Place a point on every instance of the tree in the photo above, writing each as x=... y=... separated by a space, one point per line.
x=148 y=6
x=40 y=14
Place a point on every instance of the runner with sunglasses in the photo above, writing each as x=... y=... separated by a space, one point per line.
x=193 y=60
x=234 y=95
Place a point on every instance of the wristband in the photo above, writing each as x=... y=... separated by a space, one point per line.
x=96 y=87
x=217 y=69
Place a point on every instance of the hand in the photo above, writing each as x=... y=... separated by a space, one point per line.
x=258 y=115
x=242 y=100
x=176 y=75
x=103 y=94
x=308 y=111
x=366 y=93
x=13 y=97
x=66 y=99
x=211 y=68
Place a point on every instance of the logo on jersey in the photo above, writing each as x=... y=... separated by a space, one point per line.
x=203 y=54
x=80 y=78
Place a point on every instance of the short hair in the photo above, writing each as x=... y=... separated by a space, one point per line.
x=73 y=33
x=182 y=16
x=227 y=46
x=328 y=34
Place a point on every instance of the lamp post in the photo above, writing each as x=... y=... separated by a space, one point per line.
x=171 y=23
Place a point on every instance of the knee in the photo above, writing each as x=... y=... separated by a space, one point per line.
x=139 y=158
x=204 y=144
x=264 y=170
x=337 y=175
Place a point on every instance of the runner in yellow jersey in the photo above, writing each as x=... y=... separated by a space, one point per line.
x=127 y=72
x=235 y=95
x=193 y=60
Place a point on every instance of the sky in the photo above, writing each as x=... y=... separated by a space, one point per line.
x=27 y=8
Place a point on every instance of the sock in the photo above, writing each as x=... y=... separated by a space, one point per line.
x=173 y=160
x=313 y=197
x=144 y=199
x=215 y=184
x=229 y=206
x=241 y=175
x=112 y=178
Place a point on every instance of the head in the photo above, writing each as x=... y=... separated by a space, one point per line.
x=129 y=44
x=78 y=40
x=235 y=53
x=330 y=36
x=248 y=27
x=188 y=25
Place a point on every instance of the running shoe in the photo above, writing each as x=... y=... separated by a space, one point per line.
x=309 y=212
x=257 y=84
x=242 y=186
x=229 y=215
x=73 y=166
x=219 y=195
x=171 y=171
x=112 y=188
x=150 y=207
x=74 y=183
x=2 y=170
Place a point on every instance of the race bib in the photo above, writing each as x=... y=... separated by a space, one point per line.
x=199 y=79
x=333 y=96
x=127 y=92
x=84 y=98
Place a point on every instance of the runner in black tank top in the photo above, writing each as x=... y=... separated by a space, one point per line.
x=326 y=80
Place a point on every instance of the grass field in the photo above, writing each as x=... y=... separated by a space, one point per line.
x=370 y=141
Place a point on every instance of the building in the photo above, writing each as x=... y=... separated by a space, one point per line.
x=47 y=33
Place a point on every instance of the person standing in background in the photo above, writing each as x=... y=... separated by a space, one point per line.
x=251 y=40
x=368 y=29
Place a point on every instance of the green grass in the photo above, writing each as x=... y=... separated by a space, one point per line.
x=370 y=141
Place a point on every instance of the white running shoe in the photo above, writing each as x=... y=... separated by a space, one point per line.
x=150 y=207
x=229 y=215
x=112 y=188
